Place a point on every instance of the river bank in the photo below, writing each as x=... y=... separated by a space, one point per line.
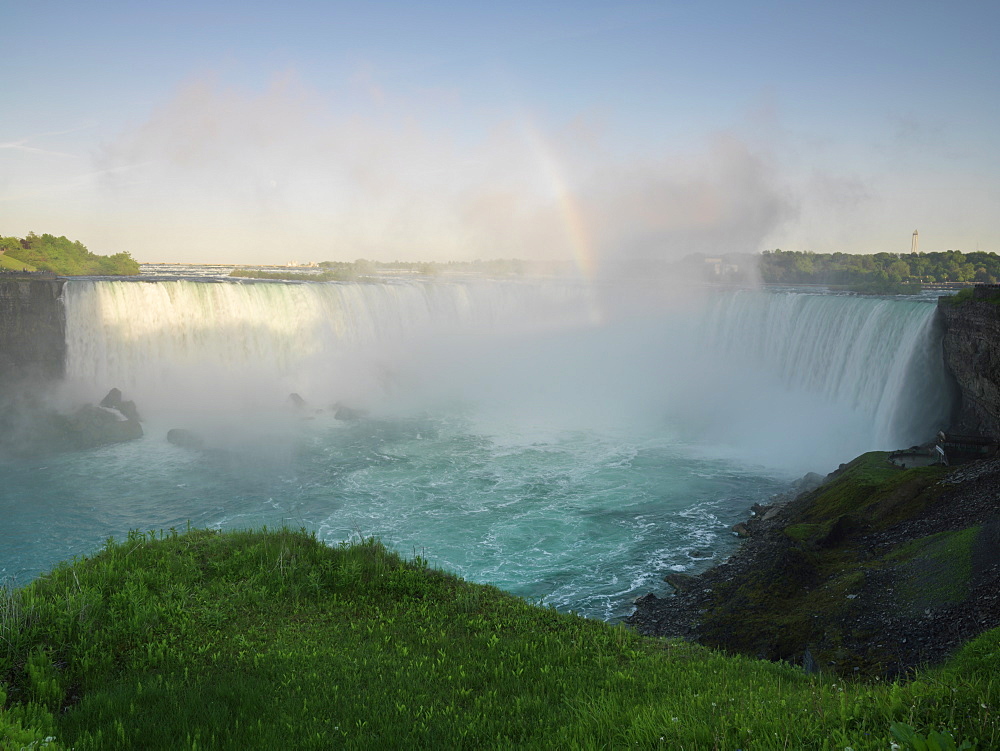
x=881 y=569
x=878 y=571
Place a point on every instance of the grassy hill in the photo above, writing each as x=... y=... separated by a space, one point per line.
x=62 y=256
x=271 y=639
x=9 y=263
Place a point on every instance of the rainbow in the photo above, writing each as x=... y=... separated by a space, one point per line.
x=577 y=231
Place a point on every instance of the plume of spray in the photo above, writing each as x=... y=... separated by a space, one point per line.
x=625 y=346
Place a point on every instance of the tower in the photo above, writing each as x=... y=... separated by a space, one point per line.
x=914 y=242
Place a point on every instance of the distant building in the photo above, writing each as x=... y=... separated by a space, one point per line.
x=720 y=267
x=914 y=242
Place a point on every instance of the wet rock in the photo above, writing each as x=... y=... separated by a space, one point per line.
x=92 y=426
x=347 y=414
x=185 y=439
x=680 y=582
x=759 y=601
x=114 y=400
x=807 y=482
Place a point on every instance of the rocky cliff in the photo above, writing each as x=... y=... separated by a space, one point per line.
x=972 y=355
x=32 y=330
x=881 y=569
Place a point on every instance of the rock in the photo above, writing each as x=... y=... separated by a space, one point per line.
x=114 y=400
x=185 y=439
x=348 y=414
x=760 y=601
x=32 y=332
x=809 y=481
x=29 y=428
x=809 y=662
x=771 y=514
x=680 y=582
x=972 y=356
x=92 y=426
x=741 y=530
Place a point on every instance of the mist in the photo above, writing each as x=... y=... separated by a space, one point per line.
x=223 y=174
x=765 y=380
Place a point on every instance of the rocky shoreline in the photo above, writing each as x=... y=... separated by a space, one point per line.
x=873 y=625
x=880 y=569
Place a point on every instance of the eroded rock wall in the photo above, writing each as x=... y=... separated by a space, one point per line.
x=32 y=330
x=972 y=355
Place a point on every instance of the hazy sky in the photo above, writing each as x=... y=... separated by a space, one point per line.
x=297 y=131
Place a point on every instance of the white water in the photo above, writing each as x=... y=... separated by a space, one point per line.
x=543 y=436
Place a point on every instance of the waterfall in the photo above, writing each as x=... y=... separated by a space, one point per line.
x=564 y=441
x=814 y=378
x=871 y=366
x=161 y=339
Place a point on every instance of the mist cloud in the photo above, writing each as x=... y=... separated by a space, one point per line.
x=217 y=173
x=726 y=199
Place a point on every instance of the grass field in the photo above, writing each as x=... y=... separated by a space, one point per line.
x=12 y=264
x=270 y=639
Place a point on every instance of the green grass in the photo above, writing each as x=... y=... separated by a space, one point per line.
x=875 y=492
x=270 y=639
x=936 y=568
x=967 y=295
x=12 y=264
x=805 y=595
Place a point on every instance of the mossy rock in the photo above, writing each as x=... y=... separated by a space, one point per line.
x=934 y=570
x=874 y=494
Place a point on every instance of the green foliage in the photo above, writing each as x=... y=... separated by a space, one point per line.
x=873 y=490
x=806 y=592
x=7 y=261
x=933 y=741
x=879 y=273
x=270 y=639
x=936 y=568
x=26 y=726
x=64 y=257
x=963 y=295
x=969 y=294
x=338 y=275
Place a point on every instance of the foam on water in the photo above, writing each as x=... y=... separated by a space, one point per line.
x=511 y=438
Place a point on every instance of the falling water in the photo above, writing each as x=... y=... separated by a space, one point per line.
x=539 y=435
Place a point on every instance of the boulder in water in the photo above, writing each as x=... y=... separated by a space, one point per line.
x=90 y=426
x=348 y=414
x=114 y=400
x=185 y=439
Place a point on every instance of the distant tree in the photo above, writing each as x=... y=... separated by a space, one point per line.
x=63 y=256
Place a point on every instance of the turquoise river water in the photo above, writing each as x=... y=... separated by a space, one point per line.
x=570 y=443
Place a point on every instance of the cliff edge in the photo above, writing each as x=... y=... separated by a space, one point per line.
x=880 y=569
x=32 y=330
x=972 y=355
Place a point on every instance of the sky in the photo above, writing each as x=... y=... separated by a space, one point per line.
x=258 y=132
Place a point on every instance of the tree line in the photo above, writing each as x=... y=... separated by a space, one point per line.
x=879 y=269
x=61 y=256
